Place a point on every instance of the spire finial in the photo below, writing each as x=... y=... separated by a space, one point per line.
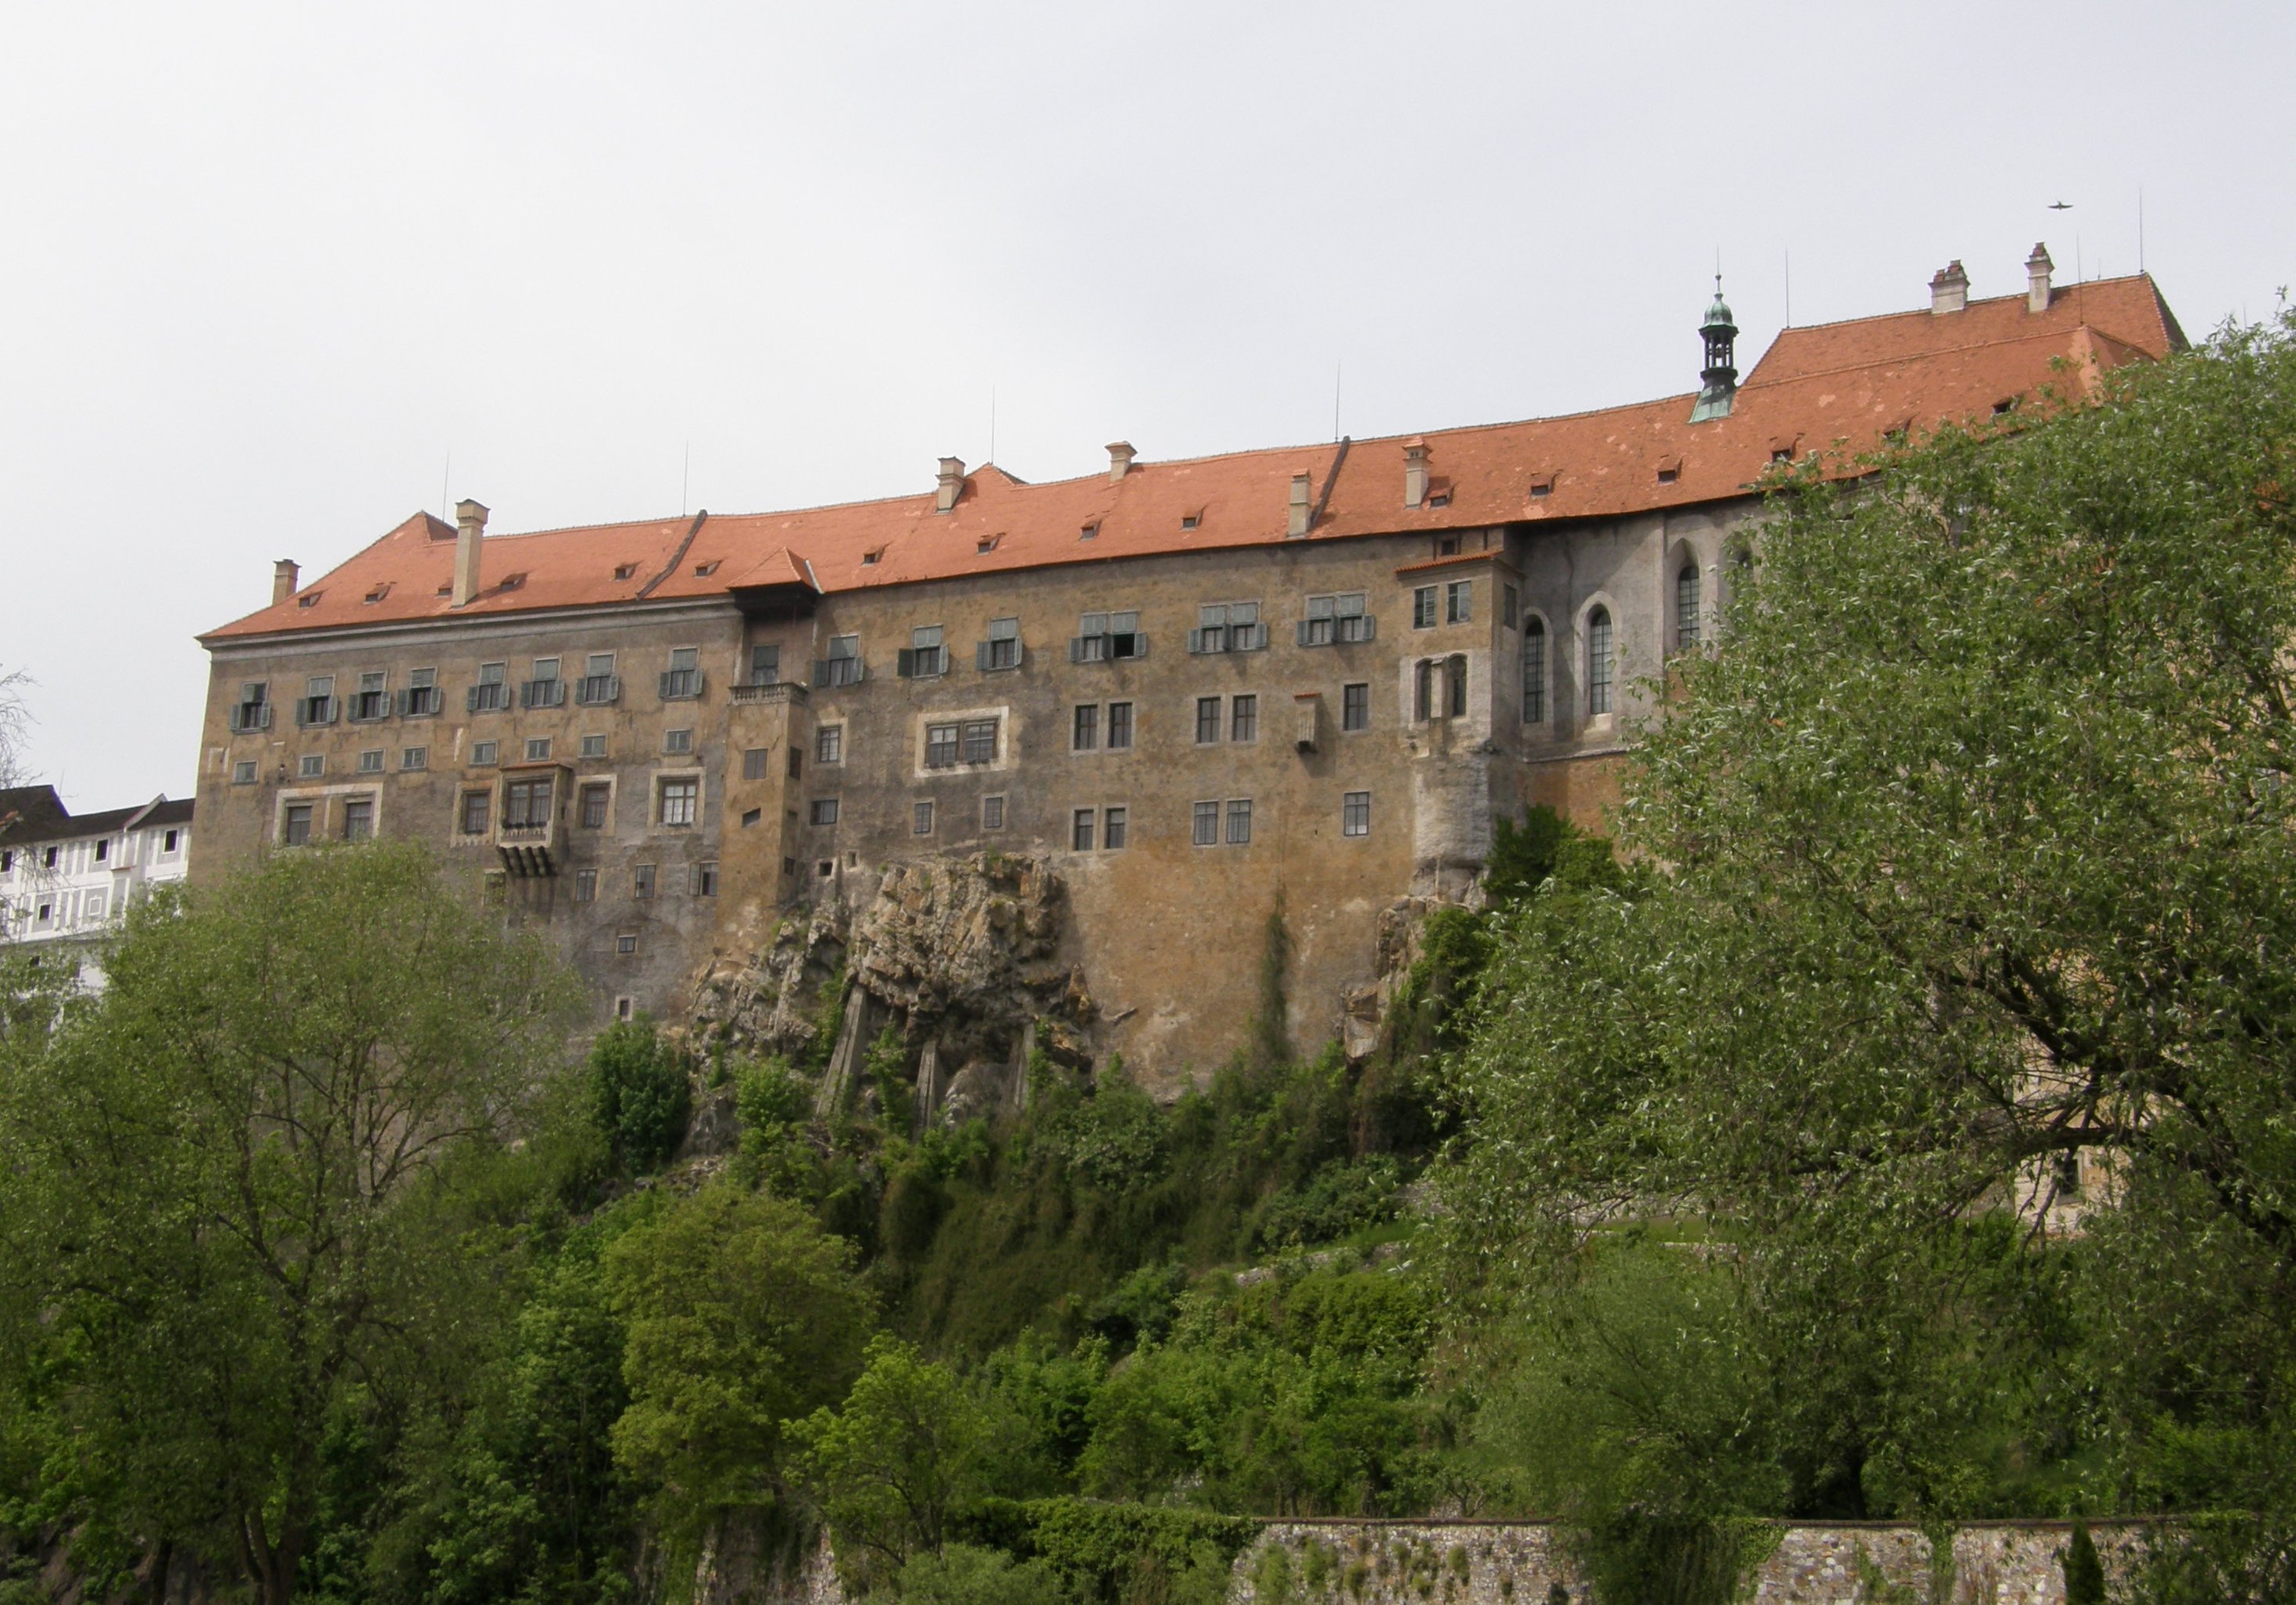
x=1721 y=334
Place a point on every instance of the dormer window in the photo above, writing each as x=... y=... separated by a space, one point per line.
x=511 y=582
x=870 y=557
x=310 y=599
x=1189 y=521
x=625 y=570
x=987 y=544
x=1542 y=485
x=703 y=571
x=1088 y=532
x=1670 y=470
x=378 y=593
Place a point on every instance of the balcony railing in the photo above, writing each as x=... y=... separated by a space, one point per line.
x=771 y=691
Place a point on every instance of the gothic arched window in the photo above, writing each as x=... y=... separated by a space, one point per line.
x=1534 y=671
x=1685 y=607
x=1598 y=661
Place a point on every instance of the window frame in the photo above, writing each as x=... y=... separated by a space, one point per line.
x=1355 y=813
x=684 y=787
x=1355 y=706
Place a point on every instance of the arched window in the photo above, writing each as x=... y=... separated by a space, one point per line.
x=1422 y=701
x=1534 y=671
x=1598 y=661
x=1686 y=606
x=1455 y=702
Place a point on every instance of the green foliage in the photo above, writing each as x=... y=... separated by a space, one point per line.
x=1271 y=1021
x=960 y=1574
x=1121 y=1554
x=886 y=1068
x=2215 y=1558
x=641 y=1091
x=1343 y=1198
x=2084 y=1572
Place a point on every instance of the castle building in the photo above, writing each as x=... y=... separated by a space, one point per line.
x=1303 y=680
x=66 y=879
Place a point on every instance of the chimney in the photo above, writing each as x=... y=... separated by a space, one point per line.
x=470 y=528
x=1949 y=290
x=2037 y=268
x=951 y=481
x=1120 y=460
x=1414 y=473
x=1299 y=525
x=283 y=575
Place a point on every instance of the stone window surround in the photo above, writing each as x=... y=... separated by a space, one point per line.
x=666 y=772
x=1006 y=739
x=325 y=821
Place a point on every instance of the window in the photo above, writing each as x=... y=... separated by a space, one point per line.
x=755 y=761
x=1422 y=691
x=482 y=755
x=829 y=744
x=1084 y=728
x=1239 y=822
x=702 y=880
x=371 y=700
x=1534 y=671
x=1355 y=706
x=242 y=772
x=596 y=798
x=1455 y=681
x=921 y=819
x=586 y=886
x=1459 y=602
x=1334 y=619
x=1231 y=627
x=683 y=678
x=1206 y=824
x=750 y=816
x=1207 y=720
x=824 y=811
x=1685 y=607
x=1355 y=813
x=1081 y=830
x=1243 y=721
x=980 y=742
x=923 y=658
x=642 y=881
x=940 y=746
x=414 y=757
x=1119 y=726
x=796 y=761
x=842 y=667
x=599 y=684
x=296 y=829
x=476 y=805
x=1115 y=825
x=765 y=665
x=421 y=698
x=526 y=804
x=1598 y=661
x=680 y=797
x=169 y=845
x=252 y=711
x=370 y=761
x=679 y=742
x=491 y=695
x=537 y=750
x=1510 y=606
x=358 y=818
x=1001 y=650
x=545 y=689
x=593 y=746
x=311 y=766
x=625 y=943
x=1422 y=607
x=992 y=813
x=318 y=704
x=1102 y=636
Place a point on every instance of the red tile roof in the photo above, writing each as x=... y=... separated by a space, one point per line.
x=1844 y=384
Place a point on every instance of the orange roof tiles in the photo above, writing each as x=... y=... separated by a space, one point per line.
x=1846 y=384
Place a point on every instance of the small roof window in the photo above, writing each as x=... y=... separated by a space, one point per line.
x=1089 y=532
x=705 y=570
x=378 y=593
x=1670 y=470
x=625 y=570
x=310 y=599
x=511 y=582
x=988 y=543
x=872 y=555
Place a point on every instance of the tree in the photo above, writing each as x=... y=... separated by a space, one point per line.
x=1970 y=845
x=641 y=1091
x=228 y=1214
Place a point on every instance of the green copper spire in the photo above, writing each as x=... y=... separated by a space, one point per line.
x=1721 y=374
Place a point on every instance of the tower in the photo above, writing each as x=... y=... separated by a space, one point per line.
x=1721 y=373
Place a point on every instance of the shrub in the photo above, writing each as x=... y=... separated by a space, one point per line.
x=641 y=1094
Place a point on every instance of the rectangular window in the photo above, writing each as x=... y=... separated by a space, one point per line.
x=242 y=772
x=593 y=746
x=921 y=819
x=992 y=813
x=1084 y=728
x=1207 y=825
x=829 y=744
x=1207 y=720
x=1355 y=706
x=311 y=766
x=596 y=796
x=796 y=761
x=1080 y=823
x=586 y=886
x=1119 y=726
x=414 y=757
x=1510 y=607
x=842 y=667
x=358 y=818
x=1114 y=826
x=683 y=678
x=491 y=695
x=420 y=700
x=1243 y=721
x=642 y=881
x=1534 y=672
x=370 y=761
x=765 y=665
x=526 y=804
x=824 y=811
x=482 y=755
x=297 y=828
x=701 y=881
x=677 y=740
x=1422 y=607
x=1101 y=637
x=1335 y=619
x=755 y=761
x=166 y=847
x=1355 y=813
x=1227 y=626
x=625 y=943
x=1459 y=602
x=680 y=797
x=1239 y=822
x=252 y=711
x=371 y=700
x=940 y=746
x=475 y=806
x=545 y=689
x=1455 y=682
x=318 y=707
x=924 y=657
x=980 y=742
x=1001 y=650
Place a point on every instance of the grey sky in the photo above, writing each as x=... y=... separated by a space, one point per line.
x=265 y=267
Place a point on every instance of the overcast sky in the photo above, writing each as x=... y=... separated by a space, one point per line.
x=267 y=267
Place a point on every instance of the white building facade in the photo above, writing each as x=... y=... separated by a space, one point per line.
x=66 y=881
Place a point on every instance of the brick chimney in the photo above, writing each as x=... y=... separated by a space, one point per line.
x=1120 y=460
x=1299 y=524
x=1949 y=290
x=2037 y=268
x=283 y=575
x=470 y=528
x=1414 y=473
x=952 y=482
